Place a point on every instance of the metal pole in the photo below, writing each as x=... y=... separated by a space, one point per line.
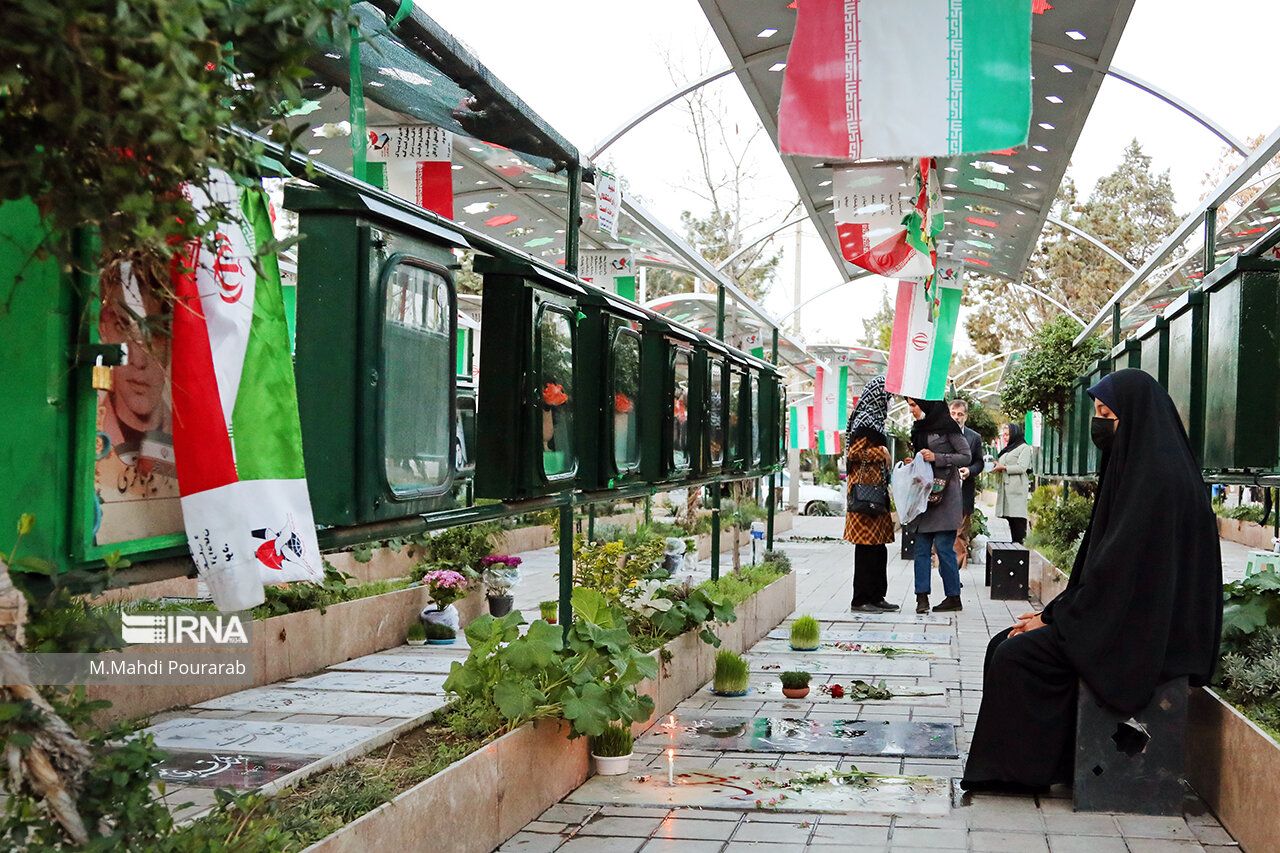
x=591 y=522
x=715 y=531
x=773 y=475
x=573 y=229
x=1115 y=324
x=1210 y=239
x=648 y=510
x=566 y=567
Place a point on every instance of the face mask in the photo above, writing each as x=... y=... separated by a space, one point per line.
x=1103 y=432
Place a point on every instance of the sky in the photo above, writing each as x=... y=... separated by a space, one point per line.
x=588 y=66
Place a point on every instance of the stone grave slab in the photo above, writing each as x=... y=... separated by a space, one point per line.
x=743 y=789
x=850 y=663
x=202 y=734
x=896 y=739
x=295 y=701
x=373 y=682
x=224 y=769
x=783 y=647
x=880 y=618
x=767 y=688
x=383 y=662
x=888 y=638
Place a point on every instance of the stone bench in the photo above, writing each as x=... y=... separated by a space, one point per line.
x=1131 y=764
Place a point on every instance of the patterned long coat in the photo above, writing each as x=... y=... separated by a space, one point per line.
x=865 y=465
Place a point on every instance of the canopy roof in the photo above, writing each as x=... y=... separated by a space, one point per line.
x=996 y=203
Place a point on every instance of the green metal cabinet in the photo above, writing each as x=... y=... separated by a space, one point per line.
x=1188 y=343
x=615 y=392
x=1242 y=397
x=527 y=435
x=376 y=357
x=1153 y=341
x=669 y=437
x=738 y=428
x=709 y=413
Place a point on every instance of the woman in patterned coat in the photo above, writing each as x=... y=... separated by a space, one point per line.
x=866 y=460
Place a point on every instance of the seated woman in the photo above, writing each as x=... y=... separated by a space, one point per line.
x=1143 y=606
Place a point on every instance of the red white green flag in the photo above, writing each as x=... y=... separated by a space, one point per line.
x=888 y=215
x=237 y=437
x=911 y=78
x=924 y=328
x=799 y=434
x=419 y=164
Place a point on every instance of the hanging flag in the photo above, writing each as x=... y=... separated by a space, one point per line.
x=237 y=438
x=1033 y=430
x=611 y=271
x=798 y=431
x=754 y=344
x=419 y=164
x=829 y=441
x=826 y=400
x=885 y=214
x=924 y=327
x=608 y=201
x=913 y=78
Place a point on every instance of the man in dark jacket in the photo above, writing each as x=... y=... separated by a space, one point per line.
x=969 y=477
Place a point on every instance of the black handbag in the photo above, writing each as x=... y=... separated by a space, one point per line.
x=870 y=498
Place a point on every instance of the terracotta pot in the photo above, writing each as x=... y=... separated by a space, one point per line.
x=795 y=692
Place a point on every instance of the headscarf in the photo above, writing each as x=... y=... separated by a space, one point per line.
x=1016 y=438
x=937 y=419
x=1144 y=602
x=868 y=417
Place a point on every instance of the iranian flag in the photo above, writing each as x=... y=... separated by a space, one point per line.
x=237 y=438
x=1033 y=429
x=419 y=164
x=911 y=78
x=800 y=436
x=924 y=328
x=888 y=216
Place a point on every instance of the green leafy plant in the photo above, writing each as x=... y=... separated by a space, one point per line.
x=1043 y=379
x=615 y=741
x=1248 y=605
x=978 y=523
x=458 y=549
x=588 y=676
x=612 y=569
x=1249 y=677
x=730 y=672
x=794 y=680
x=438 y=631
x=671 y=611
x=417 y=632
x=1244 y=512
x=778 y=559
x=805 y=633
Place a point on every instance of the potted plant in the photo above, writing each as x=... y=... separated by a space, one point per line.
x=500 y=573
x=731 y=674
x=548 y=610
x=445 y=587
x=416 y=635
x=795 y=685
x=611 y=749
x=805 y=634
x=439 y=634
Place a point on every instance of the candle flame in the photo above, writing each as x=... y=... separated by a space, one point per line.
x=671 y=754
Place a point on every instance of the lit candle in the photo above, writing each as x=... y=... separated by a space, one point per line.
x=671 y=718
x=671 y=771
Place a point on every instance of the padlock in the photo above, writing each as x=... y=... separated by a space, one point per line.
x=101 y=380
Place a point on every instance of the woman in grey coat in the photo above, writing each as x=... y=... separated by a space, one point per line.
x=940 y=441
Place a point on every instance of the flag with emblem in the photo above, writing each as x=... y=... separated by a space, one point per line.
x=912 y=78
x=1033 y=431
x=924 y=327
x=887 y=216
x=237 y=436
x=800 y=437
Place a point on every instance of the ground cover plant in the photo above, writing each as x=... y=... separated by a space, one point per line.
x=792 y=680
x=1057 y=525
x=1248 y=673
x=1244 y=512
x=805 y=633
x=730 y=673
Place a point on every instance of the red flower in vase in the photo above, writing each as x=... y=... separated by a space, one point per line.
x=553 y=395
x=622 y=403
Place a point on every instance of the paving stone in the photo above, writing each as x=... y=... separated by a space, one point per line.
x=255 y=738
x=1211 y=834
x=780 y=734
x=844 y=835
x=568 y=813
x=392 y=662
x=531 y=842
x=984 y=841
x=1081 y=824
x=771 y=831
x=870 y=635
x=681 y=845
x=293 y=700
x=1144 y=826
x=1162 y=845
x=853 y=663
x=689 y=828
x=761 y=847
x=593 y=844
x=373 y=682
x=1025 y=820
x=1086 y=844
x=948 y=839
x=640 y=827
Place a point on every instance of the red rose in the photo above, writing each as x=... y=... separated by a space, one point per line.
x=837 y=691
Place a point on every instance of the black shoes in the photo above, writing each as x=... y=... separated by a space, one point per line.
x=922 y=602
x=885 y=606
x=880 y=606
x=951 y=602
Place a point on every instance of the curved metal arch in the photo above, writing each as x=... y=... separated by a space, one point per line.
x=1085 y=235
x=987 y=360
x=755 y=243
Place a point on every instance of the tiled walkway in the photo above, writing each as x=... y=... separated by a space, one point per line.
x=613 y=818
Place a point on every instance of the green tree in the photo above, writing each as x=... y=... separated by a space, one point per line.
x=1042 y=379
x=1131 y=210
x=877 y=330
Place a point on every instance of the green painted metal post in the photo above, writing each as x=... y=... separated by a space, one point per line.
x=715 y=486
x=1115 y=324
x=648 y=510
x=573 y=229
x=773 y=475
x=566 y=567
x=591 y=522
x=1210 y=239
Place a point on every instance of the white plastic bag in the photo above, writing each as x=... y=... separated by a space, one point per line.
x=911 y=482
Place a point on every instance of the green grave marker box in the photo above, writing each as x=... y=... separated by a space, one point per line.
x=1127 y=353
x=709 y=415
x=1242 y=398
x=376 y=357
x=669 y=441
x=1188 y=339
x=530 y=391
x=1153 y=341
x=616 y=394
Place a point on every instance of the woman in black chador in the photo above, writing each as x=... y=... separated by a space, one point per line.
x=1144 y=603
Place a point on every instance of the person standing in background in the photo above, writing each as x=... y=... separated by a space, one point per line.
x=939 y=441
x=968 y=479
x=867 y=461
x=1014 y=469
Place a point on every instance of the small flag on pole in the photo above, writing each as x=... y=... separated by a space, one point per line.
x=1034 y=429
x=924 y=327
x=829 y=442
x=799 y=434
x=913 y=78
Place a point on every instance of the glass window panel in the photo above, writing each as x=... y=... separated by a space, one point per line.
x=466 y=432
x=757 y=419
x=417 y=374
x=715 y=414
x=626 y=401
x=555 y=384
x=680 y=411
x=736 y=380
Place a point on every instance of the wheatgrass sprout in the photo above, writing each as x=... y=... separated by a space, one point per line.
x=615 y=741
x=731 y=672
x=805 y=633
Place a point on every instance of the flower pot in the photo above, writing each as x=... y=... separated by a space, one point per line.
x=416 y=642
x=730 y=693
x=446 y=616
x=448 y=642
x=796 y=648
x=500 y=605
x=611 y=765
x=795 y=692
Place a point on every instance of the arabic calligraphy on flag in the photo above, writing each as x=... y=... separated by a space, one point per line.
x=887 y=216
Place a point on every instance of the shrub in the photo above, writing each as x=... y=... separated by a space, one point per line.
x=614 y=741
x=438 y=631
x=1250 y=677
x=793 y=680
x=416 y=632
x=805 y=633
x=778 y=559
x=731 y=672
x=612 y=569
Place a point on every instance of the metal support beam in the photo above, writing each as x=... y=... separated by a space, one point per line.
x=1210 y=239
x=757 y=242
x=830 y=289
x=773 y=476
x=1085 y=235
x=566 y=567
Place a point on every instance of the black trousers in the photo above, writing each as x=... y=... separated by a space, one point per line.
x=870 y=576
x=1017 y=528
